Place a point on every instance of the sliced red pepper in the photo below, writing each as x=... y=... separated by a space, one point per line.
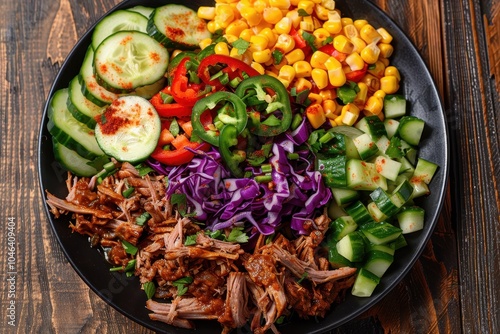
x=356 y=76
x=182 y=91
x=234 y=68
x=330 y=50
x=300 y=42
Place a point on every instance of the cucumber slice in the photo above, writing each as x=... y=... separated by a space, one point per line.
x=375 y=212
x=389 y=249
x=365 y=145
x=336 y=260
x=410 y=129
x=394 y=106
x=400 y=242
x=342 y=226
x=333 y=171
x=384 y=202
x=373 y=126
x=365 y=283
x=425 y=170
x=380 y=233
x=72 y=161
x=90 y=88
x=387 y=167
x=391 y=127
x=350 y=133
x=359 y=213
x=352 y=247
x=402 y=193
x=127 y=60
x=378 y=262
x=80 y=107
x=420 y=188
x=143 y=10
x=383 y=143
x=344 y=196
x=129 y=129
x=68 y=131
x=363 y=175
x=411 y=219
x=120 y=20
x=177 y=26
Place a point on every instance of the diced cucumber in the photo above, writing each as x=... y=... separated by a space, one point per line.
x=344 y=196
x=350 y=133
x=143 y=10
x=120 y=20
x=391 y=127
x=335 y=211
x=383 y=143
x=80 y=107
x=127 y=60
x=177 y=26
x=365 y=283
x=420 y=188
x=406 y=166
x=342 y=226
x=363 y=175
x=72 y=161
x=90 y=88
x=359 y=213
x=380 y=233
x=68 y=131
x=400 y=242
x=411 y=155
x=425 y=170
x=377 y=262
x=387 y=167
x=129 y=129
x=411 y=219
x=373 y=126
x=389 y=249
x=336 y=260
x=375 y=212
x=410 y=129
x=352 y=247
x=394 y=106
x=365 y=145
x=333 y=170
x=402 y=193
x=383 y=202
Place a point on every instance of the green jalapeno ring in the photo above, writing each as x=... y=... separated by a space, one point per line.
x=229 y=139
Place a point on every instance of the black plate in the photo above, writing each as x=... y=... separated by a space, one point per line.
x=125 y=295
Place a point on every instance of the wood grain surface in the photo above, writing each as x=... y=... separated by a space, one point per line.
x=453 y=287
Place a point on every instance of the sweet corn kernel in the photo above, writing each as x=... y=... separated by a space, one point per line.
x=350 y=114
x=295 y=56
x=211 y=26
x=385 y=61
x=235 y=53
x=329 y=107
x=224 y=14
x=302 y=84
x=270 y=35
x=247 y=57
x=342 y=44
x=320 y=36
x=333 y=27
x=295 y=17
x=246 y=34
x=285 y=43
x=372 y=82
x=355 y=61
x=379 y=93
x=206 y=13
x=318 y=59
x=386 y=50
x=285 y=83
x=392 y=70
x=281 y=4
x=370 y=53
x=377 y=69
x=315 y=98
x=302 y=69
x=369 y=34
x=258 y=43
x=260 y=5
x=272 y=73
x=337 y=77
x=360 y=24
x=262 y=25
x=230 y=38
x=362 y=94
x=350 y=31
x=321 y=12
x=251 y=15
x=307 y=23
x=328 y=94
x=328 y=4
x=261 y=56
x=221 y=48
x=236 y=27
x=272 y=15
x=346 y=20
x=283 y=26
x=386 y=37
x=316 y=115
x=374 y=105
x=204 y=43
x=306 y=5
x=175 y=53
x=389 y=84
x=287 y=72
x=358 y=43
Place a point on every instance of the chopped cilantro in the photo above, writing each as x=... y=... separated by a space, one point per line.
x=129 y=248
x=181 y=201
x=328 y=40
x=149 y=289
x=241 y=45
x=310 y=39
x=143 y=170
x=190 y=240
x=237 y=235
x=180 y=284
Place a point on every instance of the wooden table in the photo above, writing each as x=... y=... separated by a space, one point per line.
x=455 y=285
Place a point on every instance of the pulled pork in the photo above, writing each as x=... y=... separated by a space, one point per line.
x=226 y=283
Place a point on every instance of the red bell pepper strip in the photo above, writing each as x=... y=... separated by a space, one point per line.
x=169 y=109
x=182 y=91
x=234 y=68
x=300 y=42
x=356 y=76
x=330 y=50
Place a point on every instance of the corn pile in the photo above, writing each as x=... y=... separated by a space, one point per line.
x=271 y=25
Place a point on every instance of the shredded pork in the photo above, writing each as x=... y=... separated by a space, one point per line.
x=227 y=284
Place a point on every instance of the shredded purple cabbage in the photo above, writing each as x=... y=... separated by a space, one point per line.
x=223 y=202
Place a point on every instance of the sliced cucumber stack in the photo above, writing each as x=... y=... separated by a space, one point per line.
x=72 y=161
x=80 y=107
x=129 y=129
